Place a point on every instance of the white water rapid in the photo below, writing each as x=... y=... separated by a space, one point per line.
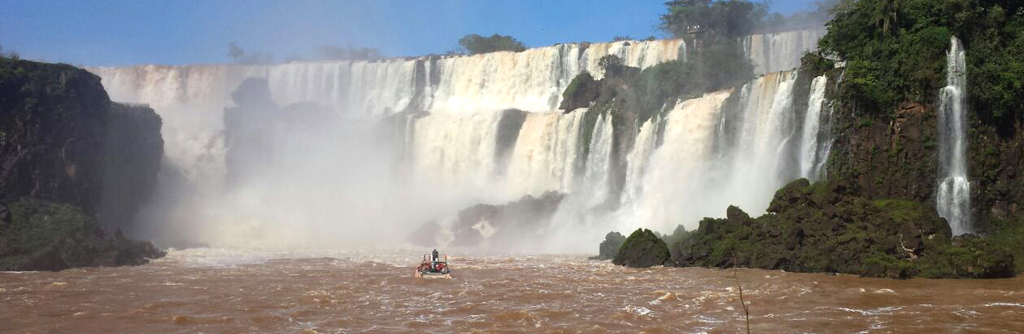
x=953 y=198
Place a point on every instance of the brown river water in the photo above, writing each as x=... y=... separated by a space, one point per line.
x=221 y=291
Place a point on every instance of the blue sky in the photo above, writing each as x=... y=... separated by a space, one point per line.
x=125 y=32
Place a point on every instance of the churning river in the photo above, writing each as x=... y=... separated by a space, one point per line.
x=223 y=291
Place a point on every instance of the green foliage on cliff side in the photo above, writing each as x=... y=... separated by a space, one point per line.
x=647 y=92
x=41 y=235
x=896 y=52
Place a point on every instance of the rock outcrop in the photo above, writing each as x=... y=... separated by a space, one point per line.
x=610 y=246
x=643 y=249
x=67 y=151
x=488 y=225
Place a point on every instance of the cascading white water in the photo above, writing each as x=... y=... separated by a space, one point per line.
x=953 y=197
x=636 y=161
x=547 y=154
x=812 y=144
x=456 y=149
x=532 y=80
x=451 y=146
x=767 y=124
x=598 y=165
x=686 y=179
x=673 y=182
x=776 y=52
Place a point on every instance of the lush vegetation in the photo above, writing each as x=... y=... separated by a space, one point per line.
x=831 y=228
x=41 y=235
x=895 y=53
x=707 y=20
x=476 y=44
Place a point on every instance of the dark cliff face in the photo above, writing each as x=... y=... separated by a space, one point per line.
x=888 y=157
x=67 y=150
x=52 y=124
x=897 y=157
x=995 y=165
x=131 y=162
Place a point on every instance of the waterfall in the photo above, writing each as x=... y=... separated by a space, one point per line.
x=782 y=51
x=598 y=166
x=814 y=147
x=532 y=80
x=953 y=198
x=673 y=182
x=637 y=160
x=453 y=148
x=547 y=154
x=694 y=174
x=458 y=141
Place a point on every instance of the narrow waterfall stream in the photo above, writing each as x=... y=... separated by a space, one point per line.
x=953 y=198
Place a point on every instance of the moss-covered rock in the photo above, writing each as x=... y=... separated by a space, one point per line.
x=643 y=249
x=831 y=228
x=581 y=92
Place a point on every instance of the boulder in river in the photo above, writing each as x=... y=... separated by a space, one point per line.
x=643 y=249
x=610 y=246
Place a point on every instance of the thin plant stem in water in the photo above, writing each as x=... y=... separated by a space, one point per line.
x=746 y=309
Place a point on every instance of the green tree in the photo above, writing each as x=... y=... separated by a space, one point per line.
x=476 y=44
x=886 y=15
x=895 y=52
x=611 y=64
x=706 y=20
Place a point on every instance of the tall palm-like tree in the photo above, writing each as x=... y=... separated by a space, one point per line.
x=886 y=15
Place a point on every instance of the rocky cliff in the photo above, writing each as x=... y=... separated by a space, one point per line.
x=71 y=160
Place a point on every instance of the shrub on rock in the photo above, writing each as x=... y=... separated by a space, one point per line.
x=643 y=249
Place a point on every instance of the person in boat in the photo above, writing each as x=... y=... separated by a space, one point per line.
x=433 y=260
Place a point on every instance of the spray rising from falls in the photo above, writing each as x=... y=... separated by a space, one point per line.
x=953 y=198
x=776 y=52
